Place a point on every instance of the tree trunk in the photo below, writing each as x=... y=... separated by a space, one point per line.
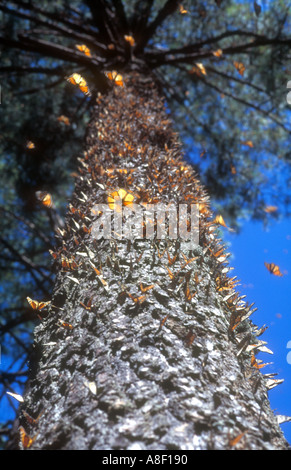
x=146 y=344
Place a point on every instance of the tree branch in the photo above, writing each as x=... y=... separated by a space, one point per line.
x=169 y=8
x=193 y=52
x=52 y=50
x=121 y=16
x=234 y=79
x=190 y=48
x=46 y=86
x=32 y=267
x=246 y=103
x=140 y=17
x=60 y=71
x=29 y=224
x=61 y=18
x=100 y=12
x=51 y=25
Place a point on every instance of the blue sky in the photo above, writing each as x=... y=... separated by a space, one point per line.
x=271 y=294
x=7 y=403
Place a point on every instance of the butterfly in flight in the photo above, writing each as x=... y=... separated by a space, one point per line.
x=239 y=67
x=129 y=39
x=45 y=198
x=64 y=119
x=30 y=145
x=37 y=305
x=273 y=269
x=83 y=48
x=115 y=77
x=270 y=209
x=78 y=80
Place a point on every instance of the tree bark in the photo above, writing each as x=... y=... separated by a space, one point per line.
x=145 y=344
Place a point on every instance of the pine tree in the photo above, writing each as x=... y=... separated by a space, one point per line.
x=141 y=347
x=146 y=343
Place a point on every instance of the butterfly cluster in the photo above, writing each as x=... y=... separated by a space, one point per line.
x=132 y=155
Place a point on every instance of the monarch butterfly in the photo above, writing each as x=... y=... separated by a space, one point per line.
x=77 y=79
x=255 y=364
x=188 y=294
x=273 y=269
x=198 y=69
x=30 y=145
x=203 y=208
x=235 y=440
x=270 y=209
x=83 y=48
x=68 y=263
x=64 y=119
x=37 y=305
x=232 y=169
x=189 y=338
x=217 y=53
x=171 y=260
x=171 y=274
x=65 y=325
x=45 y=198
x=137 y=300
x=26 y=440
x=145 y=289
x=219 y=220
x=239 y=67
x=103 y=282
x=129 y=39
x=30 y=419
x=89 y=304
x=54 y=254
x=115 y=77
x=182 y=10
x=118 y=198
x=86 y=229
x=248 y=143
x=163 y=321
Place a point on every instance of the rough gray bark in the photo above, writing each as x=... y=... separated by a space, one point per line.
x=171 y=364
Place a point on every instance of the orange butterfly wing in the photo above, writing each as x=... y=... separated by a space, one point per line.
x=26 y=440
x=36 y=305
x=270 y=209
x=129 y=39
x=120 y=198
x=74 y=78
x=77 y=79
x=115 y=77
x=64 y=119
x=45 y=198
x=30 y=145
x=273 y=269
x=239 y=67
x=83 y=48
x=182 y=10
